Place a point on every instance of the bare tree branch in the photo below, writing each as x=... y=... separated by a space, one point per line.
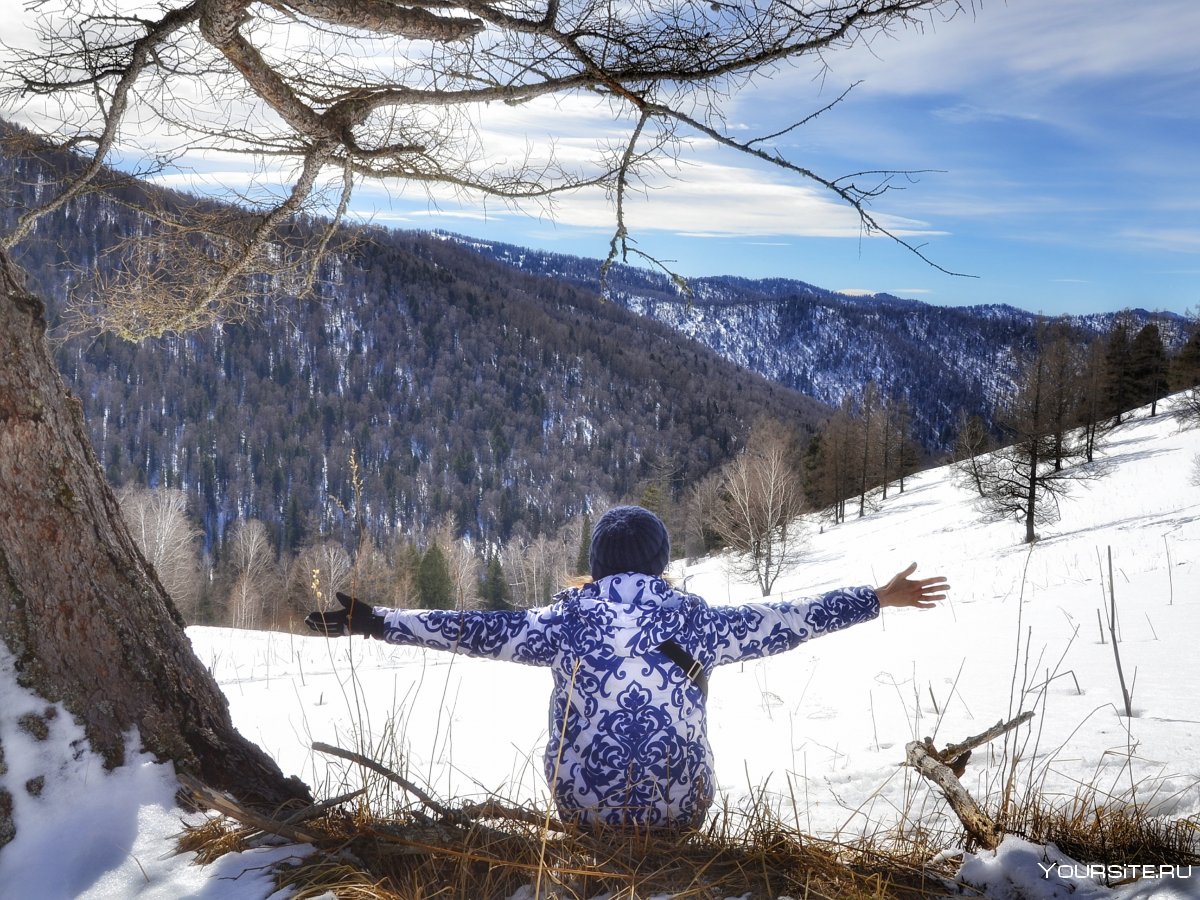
x=385 y=90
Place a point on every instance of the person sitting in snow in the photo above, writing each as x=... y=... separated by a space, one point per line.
x=631 y=657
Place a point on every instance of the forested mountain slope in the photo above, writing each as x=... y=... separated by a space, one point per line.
x=826 y=344
x=464 y=388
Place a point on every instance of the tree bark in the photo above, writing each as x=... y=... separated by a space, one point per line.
x=83 y=614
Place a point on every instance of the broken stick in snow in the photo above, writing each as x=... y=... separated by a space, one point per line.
x=944 y=768
x=367 y=762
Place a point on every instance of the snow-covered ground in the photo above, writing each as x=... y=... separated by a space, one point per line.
x=820 y=730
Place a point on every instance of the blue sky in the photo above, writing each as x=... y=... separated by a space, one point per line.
x=1065 y=135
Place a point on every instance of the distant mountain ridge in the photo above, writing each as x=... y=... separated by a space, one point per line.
x=827 y=344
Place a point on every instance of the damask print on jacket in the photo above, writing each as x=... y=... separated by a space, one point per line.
x=628 y=743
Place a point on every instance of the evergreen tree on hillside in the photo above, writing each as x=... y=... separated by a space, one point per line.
x=1185 y=377
x=1093 y=414
x=1185 y=367
x=435 y=587
x=1148 y=367
x=494 y=592
x=1118 y=371
x=868 y=424
x=1064 y=372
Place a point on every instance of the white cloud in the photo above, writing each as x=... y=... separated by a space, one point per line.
x=1179 y=240
x=1023 y=43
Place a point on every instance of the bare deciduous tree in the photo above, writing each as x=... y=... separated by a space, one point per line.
x=1026 y=477
x=761 y=501
x=463 y=564
x=317 y=573
x=971 y=441
x=159 y=523
x=536 y=568
x=255 y=598
x=701 y=507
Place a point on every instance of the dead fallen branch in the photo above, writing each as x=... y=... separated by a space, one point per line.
x=445 y=813
x=227 y=806
x=943 y=768
x=494 y=809
x=318 y=809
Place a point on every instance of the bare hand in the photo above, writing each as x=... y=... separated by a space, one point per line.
x=922 y=593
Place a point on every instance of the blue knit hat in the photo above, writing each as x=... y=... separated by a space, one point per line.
x=629 y=539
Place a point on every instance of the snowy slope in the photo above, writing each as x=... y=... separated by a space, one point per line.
x=822 y=728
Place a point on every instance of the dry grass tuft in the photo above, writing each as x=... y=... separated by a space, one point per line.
x=213 y=839
x=498 y=851
x=407 y=857
x=1092 y=831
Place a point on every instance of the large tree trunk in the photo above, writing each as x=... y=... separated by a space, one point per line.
x=85 y=617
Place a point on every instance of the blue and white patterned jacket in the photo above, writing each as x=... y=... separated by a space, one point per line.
x=634 y=746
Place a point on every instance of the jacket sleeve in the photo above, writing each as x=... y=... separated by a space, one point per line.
x=752 y=630
x=526 y=636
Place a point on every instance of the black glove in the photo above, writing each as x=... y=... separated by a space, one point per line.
x=355 y=617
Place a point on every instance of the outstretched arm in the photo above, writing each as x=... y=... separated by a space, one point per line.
x=921 y=593
x=752 y=630
x=525 y=636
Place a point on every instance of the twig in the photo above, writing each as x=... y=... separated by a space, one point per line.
x=1170 y=575
x=494 y=809
x=1052 y=678
x=311 y=812
x=1112 y=628
x=953 y=751
x=391 y=776
x=227 y=806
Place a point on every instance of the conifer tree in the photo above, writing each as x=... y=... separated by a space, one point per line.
x=1093 y=414
x=1118 y=386
x=867 y=428
x=1185 y=367
x=1060 y=348
x=435 y=587
x=494 y=591
x=407 y=566
x=1148 y=367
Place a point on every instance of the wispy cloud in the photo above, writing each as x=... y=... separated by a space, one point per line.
x=1028 y=45
x=1176 y=240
